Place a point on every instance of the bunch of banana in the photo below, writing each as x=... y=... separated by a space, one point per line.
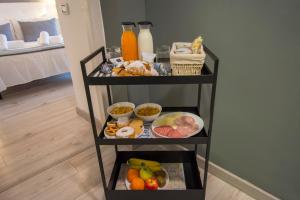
x=137 y=163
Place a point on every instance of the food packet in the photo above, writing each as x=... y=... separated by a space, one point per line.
x=196 y=45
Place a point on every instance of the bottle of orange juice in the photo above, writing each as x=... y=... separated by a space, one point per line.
x=129 y=44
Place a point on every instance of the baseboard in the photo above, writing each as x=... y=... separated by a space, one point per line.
x=243 y=185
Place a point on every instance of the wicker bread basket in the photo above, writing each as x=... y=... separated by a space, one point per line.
x=186 y=64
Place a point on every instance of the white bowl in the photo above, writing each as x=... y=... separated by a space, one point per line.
x=119 y=104
x=148 y=118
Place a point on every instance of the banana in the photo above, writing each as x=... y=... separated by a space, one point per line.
x=152 y=168
x=155 y=169
x=141 y=162
x=135 y=166
x=136 y=161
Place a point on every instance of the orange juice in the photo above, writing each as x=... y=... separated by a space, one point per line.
x=129 y=44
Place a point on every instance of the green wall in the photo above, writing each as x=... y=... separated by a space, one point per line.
x=116 y=11
x=257 y=116
x=256 y=133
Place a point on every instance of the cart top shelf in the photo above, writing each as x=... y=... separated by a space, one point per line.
x=207 y=75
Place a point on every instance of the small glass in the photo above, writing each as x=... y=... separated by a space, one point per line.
x=162 y=59
x=113 y=52
x=163 y=52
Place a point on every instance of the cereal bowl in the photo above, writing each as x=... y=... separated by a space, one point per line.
x=148 y=111
x=121 y=109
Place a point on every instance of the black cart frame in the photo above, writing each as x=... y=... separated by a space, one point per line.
x=194 y=188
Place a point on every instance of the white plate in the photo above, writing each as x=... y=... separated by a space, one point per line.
x=114 y=137
x=197 y=119
x=127 y=183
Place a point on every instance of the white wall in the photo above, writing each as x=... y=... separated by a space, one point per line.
x=28 y=10
x=83 y=33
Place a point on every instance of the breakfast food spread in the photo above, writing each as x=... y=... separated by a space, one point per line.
x=171 y=125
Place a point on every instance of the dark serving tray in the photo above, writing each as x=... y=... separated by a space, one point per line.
x=200 y=138
x=194 y=189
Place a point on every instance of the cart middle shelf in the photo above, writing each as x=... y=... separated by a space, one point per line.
x=199 y=138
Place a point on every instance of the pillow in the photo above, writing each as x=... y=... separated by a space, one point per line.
x=5 y=21
x=6 y=30
x=18 y=31
x=31 y=30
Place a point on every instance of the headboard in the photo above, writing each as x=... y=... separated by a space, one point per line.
x=25 y=9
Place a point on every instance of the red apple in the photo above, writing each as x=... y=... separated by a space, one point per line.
x=151 y=184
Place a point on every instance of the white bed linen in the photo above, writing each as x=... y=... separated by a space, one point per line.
x=19 y=47
x=24 y=68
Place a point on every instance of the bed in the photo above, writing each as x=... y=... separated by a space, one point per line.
x=34 y=61
x=29 y=61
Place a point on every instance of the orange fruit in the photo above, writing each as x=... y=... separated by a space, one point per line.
x=137 y=184
x=131 y=174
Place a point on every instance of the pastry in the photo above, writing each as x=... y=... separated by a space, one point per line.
x=147 y=73
x=136 y=71
x=117 y=69
x=136 y=122
x=111 y=128
x=122 y=122
x=112 y=125
x=134 y=68
x=123 y=72
x=147 y=66
x=110 y=132
x=137 y=125
x=125 y=132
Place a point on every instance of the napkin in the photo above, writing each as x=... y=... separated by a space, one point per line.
x=3 y=42
x=44 y=38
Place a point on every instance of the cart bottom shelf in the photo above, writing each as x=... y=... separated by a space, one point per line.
x=194 y=189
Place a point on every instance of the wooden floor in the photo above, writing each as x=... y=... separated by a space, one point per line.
x=47 y=152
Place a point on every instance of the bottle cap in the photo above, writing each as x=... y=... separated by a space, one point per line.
x=128 y=23
x=145 y=23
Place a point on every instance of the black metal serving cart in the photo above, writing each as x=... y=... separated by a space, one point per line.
x=195 y=187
